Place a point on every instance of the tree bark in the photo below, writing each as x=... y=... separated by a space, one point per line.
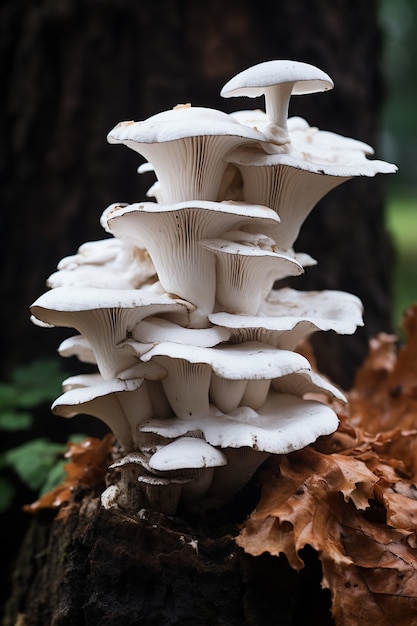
x=95 y=567
x=71 y=71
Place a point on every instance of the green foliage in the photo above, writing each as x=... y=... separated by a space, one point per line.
x=401 y=220
x=38 y=463
x=32 y=461
x=30 y=385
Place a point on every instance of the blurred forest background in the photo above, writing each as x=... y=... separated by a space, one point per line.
x=72 y=69
x=398 y=143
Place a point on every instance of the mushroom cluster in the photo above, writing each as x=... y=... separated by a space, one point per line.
x=181 y=306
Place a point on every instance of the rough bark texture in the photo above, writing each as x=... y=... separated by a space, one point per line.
x=71 y=69
x=93 y=567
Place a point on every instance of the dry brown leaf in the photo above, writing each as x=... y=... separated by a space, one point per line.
x=87 y=467
x=352 y=497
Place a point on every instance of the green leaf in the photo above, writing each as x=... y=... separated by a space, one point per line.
x=38 y=382
x=7 y=494
x=32 y=461
x=9 y=396
x=55 y=477
x=15 y=420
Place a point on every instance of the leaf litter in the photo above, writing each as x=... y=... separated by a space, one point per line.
x=352 y=496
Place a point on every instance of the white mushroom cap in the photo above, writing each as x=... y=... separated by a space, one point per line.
x=122 y=405
x=172 y=233
x=306 y=382
x=109 y=263
x=327 y=310
x=284 y=424
x=246 y=273
x=194 y=139
x=194 y=373
x=77 y=346
x=105 y=317
x=156 y=329
x=277 y=81
x=288 y=316
x=186 y=453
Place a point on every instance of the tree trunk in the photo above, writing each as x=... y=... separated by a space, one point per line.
x=71 y=71
x=95 y=567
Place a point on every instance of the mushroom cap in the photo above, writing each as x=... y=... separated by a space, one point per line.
x=285 y=423
x=179 y=123
x=186 y=453
x=253 y=81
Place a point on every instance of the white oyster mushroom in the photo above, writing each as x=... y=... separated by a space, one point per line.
x=285 y=423
x=194 y=374
x=327 y=309
x=247 y=273
x=156 y=329
x=121 y=405
x=172 y=233
x=288 y=316
x=277 y=81
x=195 y=139
x=156 y=492
x=77 y=346
x=292 y=182
x=106 y=317
x=82 y=380
x=109 y=263
x=285 y=187
x=191 y=458
x=306 y=382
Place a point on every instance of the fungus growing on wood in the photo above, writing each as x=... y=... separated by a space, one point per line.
x=198 y=375
x=277 y=81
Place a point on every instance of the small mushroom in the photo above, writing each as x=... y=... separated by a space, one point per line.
x=77 y=346
x=277 y=81
x=189 y=457
x=247 y=273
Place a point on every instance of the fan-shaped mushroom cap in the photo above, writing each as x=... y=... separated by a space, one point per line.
x=327 y=309
x=157 y=329
x=285 y=423
x=246 y=273
x=186 y=453
x=172 y=233
x=77 y=346
x=109 y=263
x=195 y=139
x=288 y=316
x=106 y=317
x=120 y=404
x=190 y=381
x=277 y=81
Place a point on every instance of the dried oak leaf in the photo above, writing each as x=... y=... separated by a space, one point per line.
x=352 y=497
x=87 y=468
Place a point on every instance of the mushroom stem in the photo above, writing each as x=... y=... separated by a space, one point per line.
x=277 y=99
